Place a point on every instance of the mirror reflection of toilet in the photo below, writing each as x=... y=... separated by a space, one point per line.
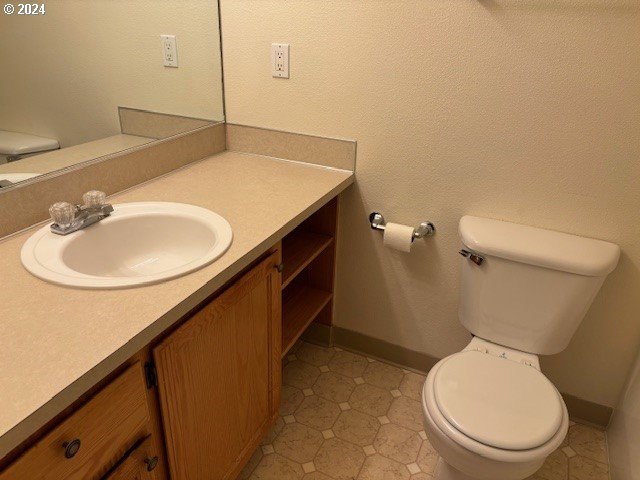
x=488 y=410
x=16 y=145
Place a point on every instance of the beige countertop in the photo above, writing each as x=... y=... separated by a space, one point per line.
x=57 y=342
x=65 y=157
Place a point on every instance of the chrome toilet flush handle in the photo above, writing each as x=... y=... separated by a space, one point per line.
x=474 y=257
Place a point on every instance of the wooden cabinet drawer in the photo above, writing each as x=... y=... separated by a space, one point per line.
x=106 y=427
x=140 y=464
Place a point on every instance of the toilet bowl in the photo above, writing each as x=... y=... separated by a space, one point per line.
x=491 y=414
x=488 y=410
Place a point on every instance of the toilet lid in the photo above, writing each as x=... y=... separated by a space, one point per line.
x=498 y=402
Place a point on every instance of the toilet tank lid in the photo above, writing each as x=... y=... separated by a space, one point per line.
x=539 y=247
x=16 y=143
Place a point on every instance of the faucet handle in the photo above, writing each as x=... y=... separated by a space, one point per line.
x=94 y=198
x=62 y=214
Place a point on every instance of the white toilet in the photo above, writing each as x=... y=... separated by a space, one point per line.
x=488 y=410
x=16 y=145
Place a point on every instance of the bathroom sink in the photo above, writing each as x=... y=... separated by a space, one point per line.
x=138 y=244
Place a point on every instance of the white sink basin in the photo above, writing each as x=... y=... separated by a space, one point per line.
x=139 y=244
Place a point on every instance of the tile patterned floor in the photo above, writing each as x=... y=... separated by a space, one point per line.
x=345 y=417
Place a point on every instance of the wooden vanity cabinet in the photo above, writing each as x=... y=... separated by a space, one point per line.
x=139 y=464
x=93 y=438
x=206 y=394
x=219 y=377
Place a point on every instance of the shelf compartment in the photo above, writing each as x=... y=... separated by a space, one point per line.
x=300 y=306
x=299 y=249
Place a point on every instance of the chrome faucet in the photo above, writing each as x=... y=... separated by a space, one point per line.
x=68 y=218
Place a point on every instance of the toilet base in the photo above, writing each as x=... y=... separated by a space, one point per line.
x=444 y=471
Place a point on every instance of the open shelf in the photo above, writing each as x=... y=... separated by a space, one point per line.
x=300 y=248
x=300 y=305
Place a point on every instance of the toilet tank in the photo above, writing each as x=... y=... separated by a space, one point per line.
x=533 y=287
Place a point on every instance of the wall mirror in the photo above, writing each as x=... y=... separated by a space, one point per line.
x=83 y=79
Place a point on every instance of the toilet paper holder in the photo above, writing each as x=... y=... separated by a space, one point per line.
x=423 y=230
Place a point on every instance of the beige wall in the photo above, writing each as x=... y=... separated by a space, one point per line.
x=523 y=110
x=624 y=432
x=65 y=73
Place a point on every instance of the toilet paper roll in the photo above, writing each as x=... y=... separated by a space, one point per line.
x=398 y=236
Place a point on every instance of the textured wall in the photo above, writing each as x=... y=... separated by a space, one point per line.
x=64 y=74
x=523 y=110
x=624 y=432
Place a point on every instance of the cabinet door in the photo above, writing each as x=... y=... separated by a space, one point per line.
x=219 y=377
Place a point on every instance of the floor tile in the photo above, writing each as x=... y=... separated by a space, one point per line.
x=251 y=464
x=556 y=467
x=276 y=467
x=369 y=450
x=427 y=457
x=298 y=442
x=588 y=442
x=339 y=459
x=318 y=413
x=398 y=443
x=316 y=476
x=308 y=467
x=328 y=434
x=377 y=467
x=383 y=375
x=290 y=399
x=356 y=427
x=267 y=449
x=406 y=413
x=333 y=386
x=315 y=354
x=348 y=364
x=300 y=374
x=581 y=468
x=274 y=432
x=378 y=433
x=371 y=400
x=411 y=385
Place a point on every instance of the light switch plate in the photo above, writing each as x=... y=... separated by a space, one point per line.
x=280 y=60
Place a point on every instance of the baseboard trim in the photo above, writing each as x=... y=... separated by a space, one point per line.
x=586 y=411
x=580 y=410
x=320 y=334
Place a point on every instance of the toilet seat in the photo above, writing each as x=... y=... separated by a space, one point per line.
x=497 y=401
x=474 y=447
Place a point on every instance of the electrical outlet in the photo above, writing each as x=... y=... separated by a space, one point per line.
x=169 y=50
x=280 y=60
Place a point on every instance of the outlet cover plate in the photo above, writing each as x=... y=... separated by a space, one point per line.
x=280 y=60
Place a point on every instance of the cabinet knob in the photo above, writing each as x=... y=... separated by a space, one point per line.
x=151 y=463
x=71 y=448
x=280 y=267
